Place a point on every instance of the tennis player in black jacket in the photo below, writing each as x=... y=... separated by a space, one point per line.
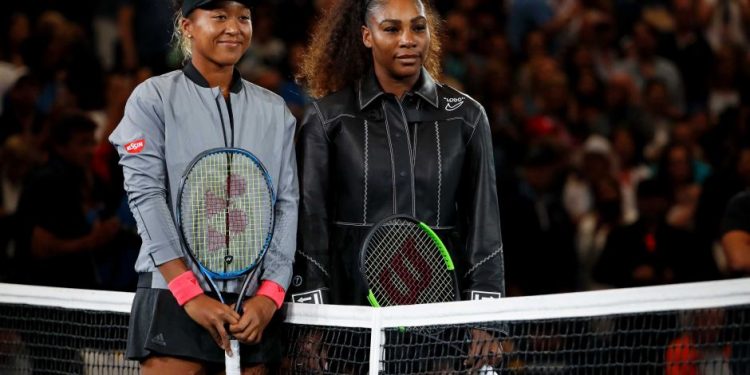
x=385 y=137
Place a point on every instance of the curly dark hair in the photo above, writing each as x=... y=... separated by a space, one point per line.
x=336 y=56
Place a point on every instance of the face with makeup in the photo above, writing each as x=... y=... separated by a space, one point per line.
x=220 y=33
x=397 y=33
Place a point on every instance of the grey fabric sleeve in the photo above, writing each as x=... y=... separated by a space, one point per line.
x=277 y=264
x=145 y=174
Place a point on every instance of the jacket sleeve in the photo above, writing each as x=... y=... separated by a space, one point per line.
x=139 y=140
x=277 y=265
x=312 y=263
x=484 y=246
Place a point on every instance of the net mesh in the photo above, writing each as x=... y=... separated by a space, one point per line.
x=53 y=340
x=225 y=211
x=404 y=266
x=675 y=330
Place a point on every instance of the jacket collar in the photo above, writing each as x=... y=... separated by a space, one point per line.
x=369 y=89
x=194 y=75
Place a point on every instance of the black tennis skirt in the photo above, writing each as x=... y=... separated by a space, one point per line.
x=159 y=326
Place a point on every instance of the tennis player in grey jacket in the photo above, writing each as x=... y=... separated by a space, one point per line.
x=168 y=121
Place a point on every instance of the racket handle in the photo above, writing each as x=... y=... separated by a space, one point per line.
x=233 y=363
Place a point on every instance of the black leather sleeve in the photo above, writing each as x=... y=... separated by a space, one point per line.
x=482 y=216
x=312 y=261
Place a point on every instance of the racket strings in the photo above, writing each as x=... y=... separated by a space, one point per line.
x=404 y=261
x=226 y=204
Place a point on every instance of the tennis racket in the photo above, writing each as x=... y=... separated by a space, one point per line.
x=405 y=263
x=225 y=213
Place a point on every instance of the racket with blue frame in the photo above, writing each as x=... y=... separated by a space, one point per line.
x=225 y=213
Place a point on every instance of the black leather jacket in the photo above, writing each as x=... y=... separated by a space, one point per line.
x=364 y=155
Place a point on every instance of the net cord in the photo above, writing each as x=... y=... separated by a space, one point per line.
x=678 y=297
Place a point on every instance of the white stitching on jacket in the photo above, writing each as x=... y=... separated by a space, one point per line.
x=485 y=260
x=367 y=166
x=313 y=261
x=393 y=163
x=440 y=171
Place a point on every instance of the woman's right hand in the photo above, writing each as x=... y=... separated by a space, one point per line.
x=214 y=316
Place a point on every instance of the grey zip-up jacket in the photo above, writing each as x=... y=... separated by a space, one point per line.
x=171 y=119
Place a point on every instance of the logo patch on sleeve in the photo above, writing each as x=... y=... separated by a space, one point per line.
x=478 y=295
x=135 y=146
x=313 y=297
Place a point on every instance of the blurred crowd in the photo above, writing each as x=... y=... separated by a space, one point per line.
x=621 y=129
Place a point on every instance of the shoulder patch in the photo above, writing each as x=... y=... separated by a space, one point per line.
x=136 y=146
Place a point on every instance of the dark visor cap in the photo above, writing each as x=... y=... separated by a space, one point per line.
x=191 y=5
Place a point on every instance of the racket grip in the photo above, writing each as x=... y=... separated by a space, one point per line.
x=233 y=363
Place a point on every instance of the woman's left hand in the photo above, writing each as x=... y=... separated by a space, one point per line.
x=256 y=313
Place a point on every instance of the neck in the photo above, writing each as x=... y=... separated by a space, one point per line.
x=215 y=75
x=394 y=85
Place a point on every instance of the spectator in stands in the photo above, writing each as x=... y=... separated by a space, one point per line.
x=724 y=183
x=726 y=81
x=59 y=230
x=551 y=17
x=594 y=228
x=726 y=22
x=631 y=169
x=537 y=231
x=17 y=158
x=145 y=30
x=701 y=349
x=659 y=117
x=595 y=163
x=645 y=65
x=115 y=265
x=267 y=52
x=683 y=176
x=688 y=49
x=735 y=237
x=369 y=63
x=15 y=32
x=460 y=62
x=645 y=252
x=622 y=104
x=21 y=115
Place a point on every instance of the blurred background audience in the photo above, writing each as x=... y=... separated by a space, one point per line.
x=620 y=128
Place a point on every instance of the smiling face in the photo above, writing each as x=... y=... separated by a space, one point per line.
x=398 y=35
x=219 y=35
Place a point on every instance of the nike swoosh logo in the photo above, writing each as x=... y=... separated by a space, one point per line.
x=453 y=107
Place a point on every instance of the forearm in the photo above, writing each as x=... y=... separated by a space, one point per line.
x=172 y=269
x=44 y=244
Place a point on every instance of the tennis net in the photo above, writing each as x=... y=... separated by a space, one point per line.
x=699 y=328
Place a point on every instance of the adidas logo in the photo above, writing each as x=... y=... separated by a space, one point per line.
x=159 y=339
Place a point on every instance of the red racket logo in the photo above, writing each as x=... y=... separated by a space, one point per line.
x=236 y=220
x=413 y=283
